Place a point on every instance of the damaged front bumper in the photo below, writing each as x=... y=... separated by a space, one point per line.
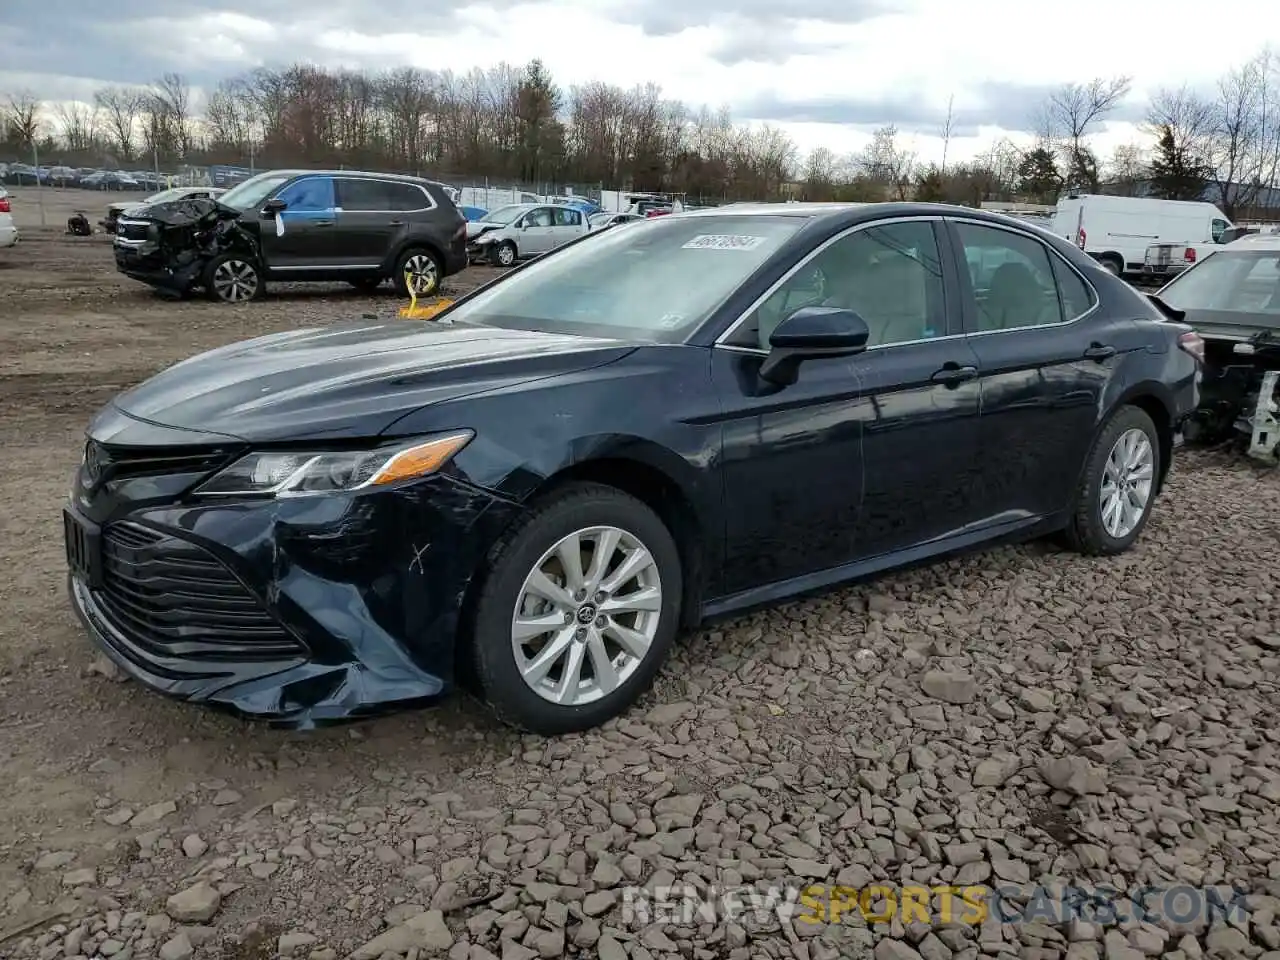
x=299 y=612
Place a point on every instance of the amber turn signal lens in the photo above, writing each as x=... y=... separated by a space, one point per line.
x=420 y=460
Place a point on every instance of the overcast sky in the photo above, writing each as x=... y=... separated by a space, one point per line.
x=826 y=71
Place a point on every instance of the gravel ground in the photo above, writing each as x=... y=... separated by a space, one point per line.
x=1016 y=718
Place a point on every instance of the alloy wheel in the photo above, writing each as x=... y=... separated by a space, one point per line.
x=1127 y=480
x=235 y=281
x=420 y=274
x=586 y=616
x=506 y=255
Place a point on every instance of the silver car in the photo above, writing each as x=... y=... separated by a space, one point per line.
x=522 y=230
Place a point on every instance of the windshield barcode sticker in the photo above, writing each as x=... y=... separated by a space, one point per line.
x=707 y=241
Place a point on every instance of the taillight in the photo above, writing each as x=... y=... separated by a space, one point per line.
x=1190 y=255
x=1193 y=344
x=4 y=205
x=1080 y=238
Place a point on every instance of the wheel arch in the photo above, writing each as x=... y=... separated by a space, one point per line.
x=416 y=243
x=655 y=486
x=1114 y=255
x=1151 y=398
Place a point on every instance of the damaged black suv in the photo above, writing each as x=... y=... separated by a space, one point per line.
x=296 y=225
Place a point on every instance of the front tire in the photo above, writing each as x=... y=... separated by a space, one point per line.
x=1118 y=489
x=233 y=278
x=580 y=604
x=504 y=254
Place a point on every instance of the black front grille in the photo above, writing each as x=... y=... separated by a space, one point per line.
x=133 y=230
x=174 y=599
x=104 y=464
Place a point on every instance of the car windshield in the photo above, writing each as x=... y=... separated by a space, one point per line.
x=504 y=215
x=655 y=282
x=253 y=191
x=1230 y=283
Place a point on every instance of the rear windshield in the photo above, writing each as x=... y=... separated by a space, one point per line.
x=1243 y=282
x=657 y=281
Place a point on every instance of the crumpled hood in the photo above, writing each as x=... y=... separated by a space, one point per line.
x=353 y=380
x=476 y=227
x=186 y=212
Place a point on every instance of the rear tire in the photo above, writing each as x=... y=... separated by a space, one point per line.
x=424 y=266
x=601 y=649
x=233 y=278
x=1118 y=488
x=1112 y=265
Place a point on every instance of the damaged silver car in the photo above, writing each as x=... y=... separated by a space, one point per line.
x=1232 y=300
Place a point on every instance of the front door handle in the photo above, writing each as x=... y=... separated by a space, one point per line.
x=1099 y=351
x=952 y=374
x=396 y=223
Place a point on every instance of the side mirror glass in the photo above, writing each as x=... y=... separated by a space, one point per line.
x=810 y=333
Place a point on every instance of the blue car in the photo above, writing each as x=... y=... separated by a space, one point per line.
x=473 y=213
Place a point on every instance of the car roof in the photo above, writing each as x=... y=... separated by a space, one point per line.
x=854 y=212
x=1264 y=242
x=401 y=177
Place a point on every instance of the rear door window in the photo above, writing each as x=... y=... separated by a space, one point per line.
x=568 y=217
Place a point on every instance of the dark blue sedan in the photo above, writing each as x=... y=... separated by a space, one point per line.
x=645 y=429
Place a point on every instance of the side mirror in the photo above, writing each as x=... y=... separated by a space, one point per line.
x=810 y=333
x=273 y=207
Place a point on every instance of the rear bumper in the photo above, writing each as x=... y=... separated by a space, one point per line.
x=1163 y=269
x=456 y=259
x=8 y=235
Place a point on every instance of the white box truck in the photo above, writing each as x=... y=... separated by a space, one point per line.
x=1116 y=231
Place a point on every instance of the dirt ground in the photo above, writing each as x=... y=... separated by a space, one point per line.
x=1018 y=716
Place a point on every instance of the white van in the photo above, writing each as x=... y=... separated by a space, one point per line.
x=1116 y=231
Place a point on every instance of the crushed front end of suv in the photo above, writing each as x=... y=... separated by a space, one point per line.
x=185 y=244
x=1232 y=300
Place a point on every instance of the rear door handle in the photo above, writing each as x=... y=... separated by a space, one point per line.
x=952 y=374
x=396 y=223
x=323 y=223
x=1100 y=351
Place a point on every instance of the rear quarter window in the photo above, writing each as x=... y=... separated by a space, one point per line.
x=1078 y=297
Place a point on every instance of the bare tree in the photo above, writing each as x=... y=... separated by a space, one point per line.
x=946 y=132
x=121 y=107
x=24 y=117
x=78 y=123
x=1071 y=114
x=1128 y=169
x=1244 y=148
x=887 y=162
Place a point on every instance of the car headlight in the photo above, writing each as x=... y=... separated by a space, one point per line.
x=484 y=238
x=294 y=474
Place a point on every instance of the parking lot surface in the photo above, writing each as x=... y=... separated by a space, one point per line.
x=1017 y=718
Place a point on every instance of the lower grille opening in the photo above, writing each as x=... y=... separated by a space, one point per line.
x=174 y=599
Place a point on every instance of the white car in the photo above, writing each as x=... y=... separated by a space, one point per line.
x=8 y=229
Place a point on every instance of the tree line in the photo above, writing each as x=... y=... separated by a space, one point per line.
x=515 y=124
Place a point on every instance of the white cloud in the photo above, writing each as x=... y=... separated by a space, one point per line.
x=859 y=62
